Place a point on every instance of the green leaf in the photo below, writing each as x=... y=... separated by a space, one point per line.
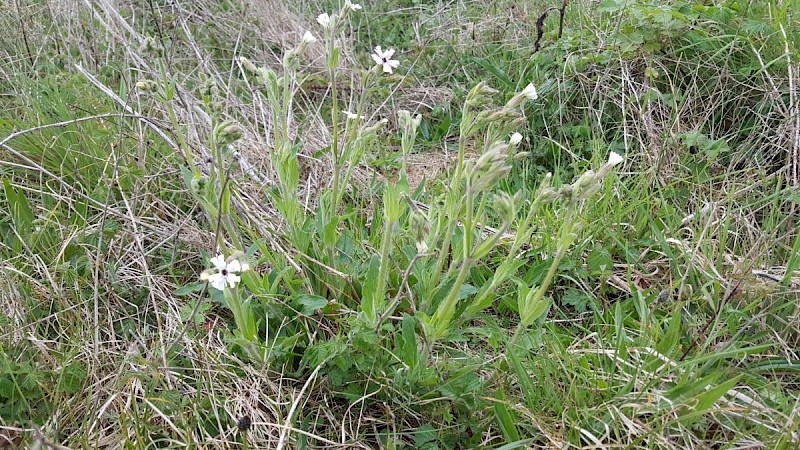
x=409 y=350
x=200 y=313
x=72 y=378
x=612 y=6
x=466 y=290
x=600 y=261
x=496 y=71
x=307 y=304
x=371 y=300
x=21 y=214
x=667 y=345
x=707 y=399
x=577 y=299
x=523 y=378
x=424 y=435
x=505 y=419
x=189 y=288
x=514 y=445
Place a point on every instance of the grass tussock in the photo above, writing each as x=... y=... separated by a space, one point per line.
x=400 y=224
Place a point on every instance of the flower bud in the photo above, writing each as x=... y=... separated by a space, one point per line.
x=505 y=206
x=479 y=95
x=420 y=227
x=376 y=127
x=228 y=132
x=529 y=93
x=199 y=185
x=407 y=123
x=146 y=85
x=151 y=46
x=248 y=65
x=503 y=115
x=490 y=167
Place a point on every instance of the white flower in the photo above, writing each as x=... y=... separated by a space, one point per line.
x=382 y=58
x=530 y=92
x=614 y=158
x=353 y=6
x=515 y=139
x=308 y=38
x=352 y=116
x=324 y=19
x=226 y=273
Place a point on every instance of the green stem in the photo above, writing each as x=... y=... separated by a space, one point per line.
x=384 y=267
x=335 y=143
x=351 y=138
x=563 y=246
x=444 y=314
x=446 y=310
x=451 y=205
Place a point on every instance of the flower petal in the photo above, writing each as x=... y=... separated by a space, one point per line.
x=377 y=59
x=233 y=280
x=378 y=51
x=389 y=53
x=217 y=281
x=614 y=158
x=219 y=262
x=234 y=266
x=309 y=38
x=530 y=92
x=393 y=63
x=387 y=68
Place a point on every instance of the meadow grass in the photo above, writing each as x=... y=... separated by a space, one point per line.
x=238 y=224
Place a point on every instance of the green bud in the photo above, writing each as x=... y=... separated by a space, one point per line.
x=151 y=46
x=208 y=88
x=291 y=60
x=248 y=65
x=227 y=133
x=547 y=195
x=376 y=127
x=479 y=95
x=420 y=227
x=490 y=167
x=506 y=206
x=408 y=123
x=146 y=85
x=503 y=115
x=199 y=186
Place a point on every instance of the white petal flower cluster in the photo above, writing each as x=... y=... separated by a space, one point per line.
x=614 y=159
x=309 y=38
x=384 y=59
x=324 y=19
x=529 y=94
x=352 y=116
x=226 y=273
